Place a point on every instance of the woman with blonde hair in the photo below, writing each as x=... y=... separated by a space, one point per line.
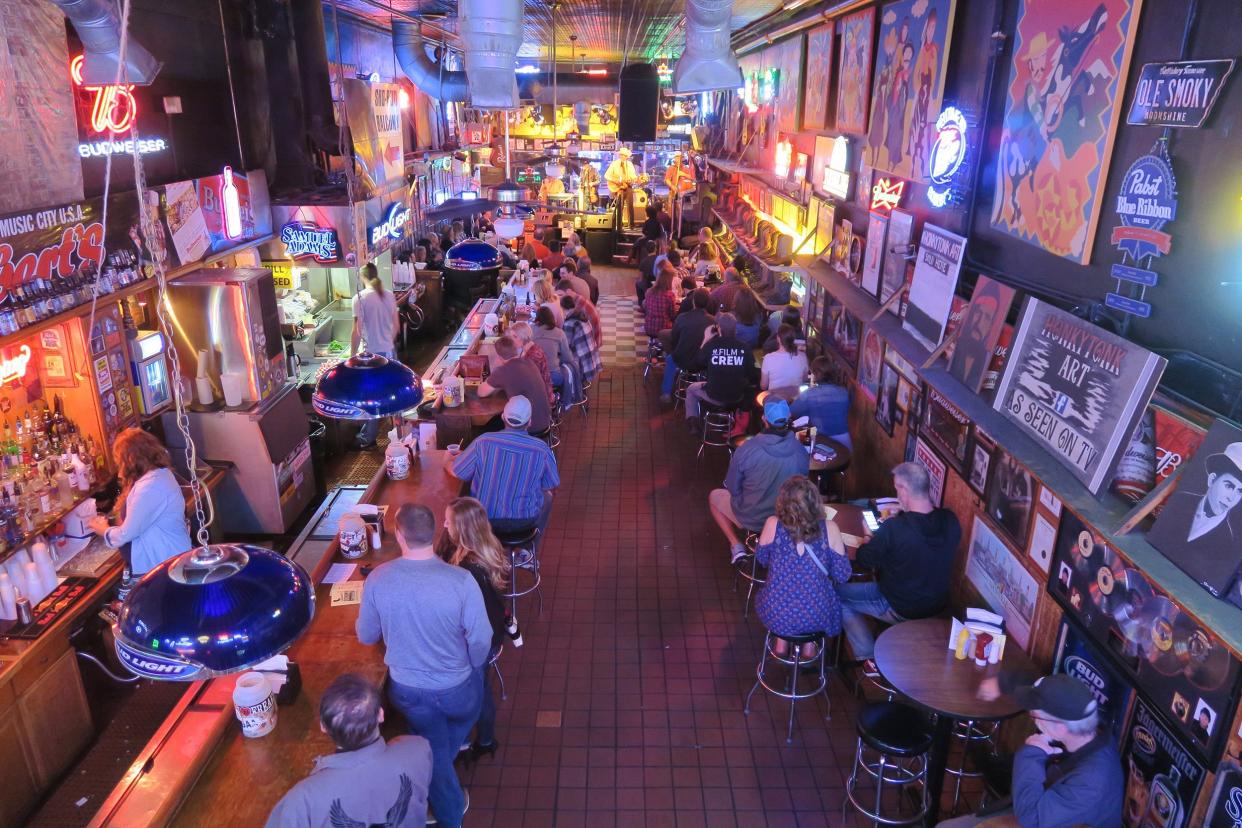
x=476 y=549
x=151 y=508
x=805 y=557
x=545 y=296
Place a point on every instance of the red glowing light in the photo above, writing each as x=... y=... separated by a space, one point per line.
x=113 y=107
x=887 y=193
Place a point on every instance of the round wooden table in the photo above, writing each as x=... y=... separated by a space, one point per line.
x=914 y=657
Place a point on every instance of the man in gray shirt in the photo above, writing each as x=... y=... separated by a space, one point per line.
x=431 y=618
x=367 y=781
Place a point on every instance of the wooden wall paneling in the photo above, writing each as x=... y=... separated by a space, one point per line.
x=56 y=718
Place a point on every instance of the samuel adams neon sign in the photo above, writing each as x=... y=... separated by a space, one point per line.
x=303 y=239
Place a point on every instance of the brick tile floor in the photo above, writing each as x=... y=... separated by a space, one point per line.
x=625 y=704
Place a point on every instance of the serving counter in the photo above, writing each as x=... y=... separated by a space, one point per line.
x=199 y=770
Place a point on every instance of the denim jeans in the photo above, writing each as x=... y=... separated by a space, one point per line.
x=444 y=718
x=861 y=600
x=370 y=429
x=670 y=376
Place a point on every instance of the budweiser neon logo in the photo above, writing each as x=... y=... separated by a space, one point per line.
x=14 y=367
x=113 y=106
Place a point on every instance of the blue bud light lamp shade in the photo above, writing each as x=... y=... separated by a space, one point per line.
x=212 y=611
x=367 y=387
x=472 y=254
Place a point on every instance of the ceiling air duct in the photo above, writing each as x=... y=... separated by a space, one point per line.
x=708 y=63
x=99 y=29
x=426 y=74
x=491 y=34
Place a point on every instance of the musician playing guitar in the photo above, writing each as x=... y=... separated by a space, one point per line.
x=621 y=178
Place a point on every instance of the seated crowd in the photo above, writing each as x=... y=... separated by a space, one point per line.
x=440 y=609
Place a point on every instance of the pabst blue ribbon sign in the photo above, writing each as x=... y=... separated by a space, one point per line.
x=1146 y=203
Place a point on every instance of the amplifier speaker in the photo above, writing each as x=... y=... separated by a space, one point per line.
x=640 y=101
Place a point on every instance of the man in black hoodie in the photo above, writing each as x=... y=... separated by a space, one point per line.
x=912 y=554
x=686 y=340
x=730 y=368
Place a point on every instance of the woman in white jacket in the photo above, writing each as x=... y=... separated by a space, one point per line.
x=151 y=508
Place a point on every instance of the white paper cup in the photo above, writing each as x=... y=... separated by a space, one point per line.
x=233 y=385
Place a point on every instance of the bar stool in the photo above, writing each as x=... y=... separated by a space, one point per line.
x=893 y=741
x=655 y=357
x=718 y=421
x=684 y=380
x=972 y=736
x=792 y=659
x=520 y=545
x=494 y=663
x=558 y=417
x=747 y=568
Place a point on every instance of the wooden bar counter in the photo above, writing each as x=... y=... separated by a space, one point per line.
x=199 y=770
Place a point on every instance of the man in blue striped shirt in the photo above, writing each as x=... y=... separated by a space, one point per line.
x=510 y=472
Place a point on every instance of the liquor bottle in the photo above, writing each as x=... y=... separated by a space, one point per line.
x=1164 y=806
x=64 y=485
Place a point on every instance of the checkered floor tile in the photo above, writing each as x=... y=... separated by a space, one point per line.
x=624 y=340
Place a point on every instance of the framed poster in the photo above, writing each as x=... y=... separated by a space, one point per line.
x=908 y=84
x=819 y=76
x=1178 y=665
x=1076 y=656
x=1176 y=440
x=854 y=77
x=937 y=265
x=824 y=229
x=896 y=248
x=947 y=428
x=1200 y=526
x=904 y=366
x=1061 y=113
x=1076 y=389
x=886 y=398
x=1011 y=498
x=877 y=230
x=1002 y=581
x=869 y=365
x=844 y=334
x=1162 y=777
x=981 y=331
x=786 y=57
x=980 y=464
x=841 y=248
x=936 y=469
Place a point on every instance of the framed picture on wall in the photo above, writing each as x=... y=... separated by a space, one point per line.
x=1011 y=497
x=947 y=428
x=825 y=229
x=854 y=76
x=869 y=364
x=980 y=463
x=819 y=76
x=936 y=470
x=886 y=398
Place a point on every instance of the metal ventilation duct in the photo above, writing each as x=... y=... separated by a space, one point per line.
x=708 y=63
x=427 y=75
x=99 y=29
x=491 y=34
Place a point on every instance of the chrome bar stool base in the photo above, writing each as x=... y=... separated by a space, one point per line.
x=797 y=664
x=893 y=743
x=523 y=550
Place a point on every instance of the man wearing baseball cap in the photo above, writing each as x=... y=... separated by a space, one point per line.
x=510 y=472
x=755 y=475
x=1069 y=771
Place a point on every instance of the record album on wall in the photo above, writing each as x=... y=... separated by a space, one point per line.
x=1200 y=526
x=1178 y=664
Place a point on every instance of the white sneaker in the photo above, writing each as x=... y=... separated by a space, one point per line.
x=737 y=554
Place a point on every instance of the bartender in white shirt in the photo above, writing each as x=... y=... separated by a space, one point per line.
x=151 y=508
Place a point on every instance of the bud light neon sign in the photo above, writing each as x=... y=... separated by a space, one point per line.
x=393 y=225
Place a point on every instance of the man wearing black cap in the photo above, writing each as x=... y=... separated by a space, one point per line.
x=1069 y=771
